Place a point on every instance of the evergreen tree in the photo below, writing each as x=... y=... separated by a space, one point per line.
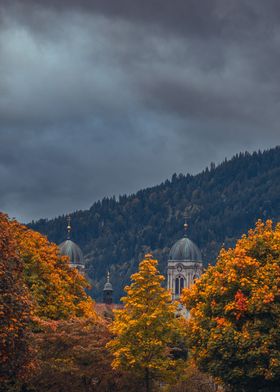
x=145 y=329
x=222 y=203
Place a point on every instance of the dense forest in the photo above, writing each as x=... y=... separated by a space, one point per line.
x=221 y=203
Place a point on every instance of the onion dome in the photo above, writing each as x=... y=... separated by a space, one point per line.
x=72 y=250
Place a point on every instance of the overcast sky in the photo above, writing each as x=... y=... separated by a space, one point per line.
x=103 y=97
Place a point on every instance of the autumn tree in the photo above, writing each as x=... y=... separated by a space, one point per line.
x=15 y=312
x=193 y=380
x=235 y=313
x=38 y=284
x=72 y=357
x=145 y=329
x=57 y=290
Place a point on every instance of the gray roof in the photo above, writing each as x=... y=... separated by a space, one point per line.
x=185 y=250
x=73 y=251
x=108 y=287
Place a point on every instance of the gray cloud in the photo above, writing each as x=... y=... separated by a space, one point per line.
x=106 y=97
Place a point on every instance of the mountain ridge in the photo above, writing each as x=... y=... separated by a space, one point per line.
x=222 y=202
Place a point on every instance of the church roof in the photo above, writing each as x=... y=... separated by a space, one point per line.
x=185 y=250
x=108 y=285
x=70 y=248
x=73 y=251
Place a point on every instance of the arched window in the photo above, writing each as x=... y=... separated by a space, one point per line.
x=177 y=288
x=179 y=285
x=182 y=284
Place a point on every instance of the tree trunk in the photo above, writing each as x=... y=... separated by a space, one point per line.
x=147 y=380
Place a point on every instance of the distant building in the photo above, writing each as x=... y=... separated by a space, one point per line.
x=72 y=250
x=184 y=266
x=108 y=291
x=107 y=307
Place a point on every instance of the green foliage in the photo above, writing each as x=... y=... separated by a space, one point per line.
x=221 y=202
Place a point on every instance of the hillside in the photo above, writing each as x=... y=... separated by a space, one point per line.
x=222 y=203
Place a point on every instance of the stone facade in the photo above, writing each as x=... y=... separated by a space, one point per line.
x=183 y=268
x=182 y=274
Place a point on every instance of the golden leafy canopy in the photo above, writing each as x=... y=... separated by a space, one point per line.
x=57 y=290
x=234 y=330
x=145 y=328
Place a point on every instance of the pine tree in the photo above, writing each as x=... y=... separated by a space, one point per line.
x=145 y=328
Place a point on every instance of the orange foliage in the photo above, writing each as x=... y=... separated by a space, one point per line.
x=15 y=311
x=72 y=357
x=58 y=291
x=241 y=304
x=235 y=312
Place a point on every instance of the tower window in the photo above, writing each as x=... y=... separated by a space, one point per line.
x=179 y=285
x=182 y=284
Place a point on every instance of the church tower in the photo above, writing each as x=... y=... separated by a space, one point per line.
x=108 y=291
x=72 y=250
x=184 y=265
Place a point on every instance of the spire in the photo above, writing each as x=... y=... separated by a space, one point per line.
x=185 y=224
x=108 y=291
x=68 y=226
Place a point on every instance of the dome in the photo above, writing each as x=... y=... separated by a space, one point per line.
x=108 y=287
x=73 y=251
x=185 y=250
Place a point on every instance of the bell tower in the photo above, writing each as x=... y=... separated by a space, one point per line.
x=184 y=265
x=108 y=291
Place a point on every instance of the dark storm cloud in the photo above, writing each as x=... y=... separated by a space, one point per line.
x=105 y=97
x=204 y=19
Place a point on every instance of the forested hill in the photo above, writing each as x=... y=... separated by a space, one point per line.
x=222 y=203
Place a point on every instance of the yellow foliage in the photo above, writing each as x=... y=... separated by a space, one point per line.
x=145 y=328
